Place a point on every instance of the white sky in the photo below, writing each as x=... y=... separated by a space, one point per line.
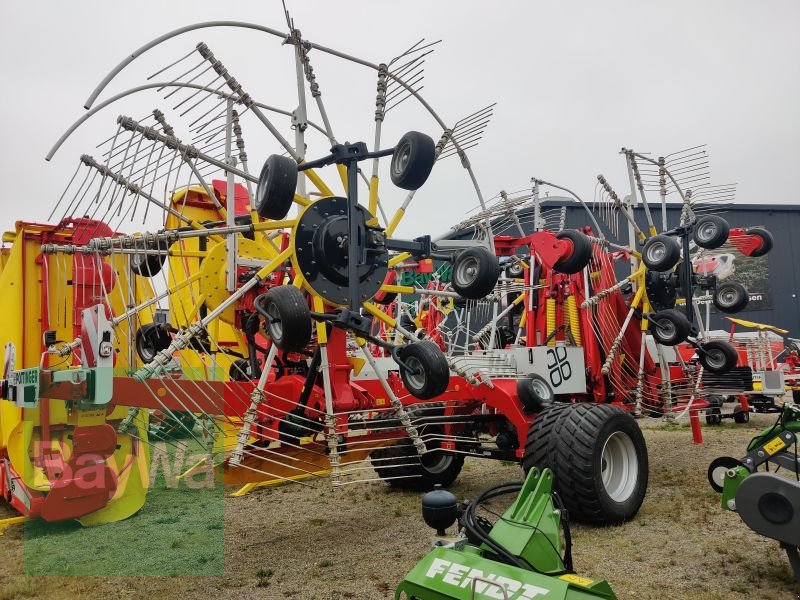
x=574 y=82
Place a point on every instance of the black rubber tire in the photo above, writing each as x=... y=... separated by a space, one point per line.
x=535 y=393
x=569 y=439
x=401 y=466
x=661 y=253
x=718 y=356
x=731 y=297
x=515 y=270
x=288 y=319
x=740 y=416
x=475 y=272
x=412 y=160
x=714 y=416
x=147 y=265
x=767 y=241
x=669 y=327
x=239 y=370
x=581 y=252
x=432 y=373
x=276 y=186
x=718 y=467
x=710 y=232
x=150 y=340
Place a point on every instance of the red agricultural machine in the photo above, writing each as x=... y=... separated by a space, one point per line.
x=268 y=326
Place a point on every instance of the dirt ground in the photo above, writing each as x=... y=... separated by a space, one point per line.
x=294 y=542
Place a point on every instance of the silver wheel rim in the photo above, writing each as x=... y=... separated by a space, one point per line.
x=666 y=330
x=437 y=462
x=415 y=374
x=707 y=231
x=275 y=323
x=619 y=467
x=656 y=252
x=541 y=389
x=718 y=475
x=715 y=359
x=728 y=296
x=401 y=158
x=467 y=271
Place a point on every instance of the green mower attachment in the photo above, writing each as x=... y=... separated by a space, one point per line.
x=768 y=503
x=517 y=558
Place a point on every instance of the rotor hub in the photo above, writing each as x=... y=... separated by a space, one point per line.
x=321 y=243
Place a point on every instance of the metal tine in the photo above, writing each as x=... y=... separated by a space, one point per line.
x=468 y=138
x=680 y=159
x=464 y=146
x=404 y=98
x=169 y=66
x=478 y=127
x=66 y=189
x=415 y=48
x=403 y=69
x=484 y=114
x=470 y=117
x=685 y=150
x=180 y=77
x=104 y=142
x=402 y=90
x=203 y=99
x=454 y=152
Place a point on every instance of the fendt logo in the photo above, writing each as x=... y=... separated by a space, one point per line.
x=558 y=365
x=496 y=587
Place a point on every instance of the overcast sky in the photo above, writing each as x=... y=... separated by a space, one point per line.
x=574 y=82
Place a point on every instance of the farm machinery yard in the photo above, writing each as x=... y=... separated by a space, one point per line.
x=278 y=322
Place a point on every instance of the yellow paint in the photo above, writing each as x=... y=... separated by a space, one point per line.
x=373 y=200
x=5 y=523
x=395 y=222
x=575 y=579
x=318 y=183
x=249 y=487
x=399 y=258
x=774 y=445
x=379 y=314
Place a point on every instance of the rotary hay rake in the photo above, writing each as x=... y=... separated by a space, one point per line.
x=658 y=367
x=261 y=324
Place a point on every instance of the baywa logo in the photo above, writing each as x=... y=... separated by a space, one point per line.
x=486 y=583
x=443 y=274
x=89 y=470
x=194 y=470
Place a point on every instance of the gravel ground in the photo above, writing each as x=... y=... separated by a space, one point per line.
x=295 y=542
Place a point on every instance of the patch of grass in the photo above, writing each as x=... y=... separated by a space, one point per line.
x=167 y=520
x=264 y=575
x=324 y=563
x=179 y=531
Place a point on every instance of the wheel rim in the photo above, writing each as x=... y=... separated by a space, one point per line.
x=436 y=462
x=541 y=389
x=727 y=297
x=401 y=158
x=146 y=348
x=415 y=374
x=718 y=475
x=666 y=330
x=275 y=323
x=656 y=252
x=467 y=271
x=715 y=359
x=707 y=231
x=619 y=466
